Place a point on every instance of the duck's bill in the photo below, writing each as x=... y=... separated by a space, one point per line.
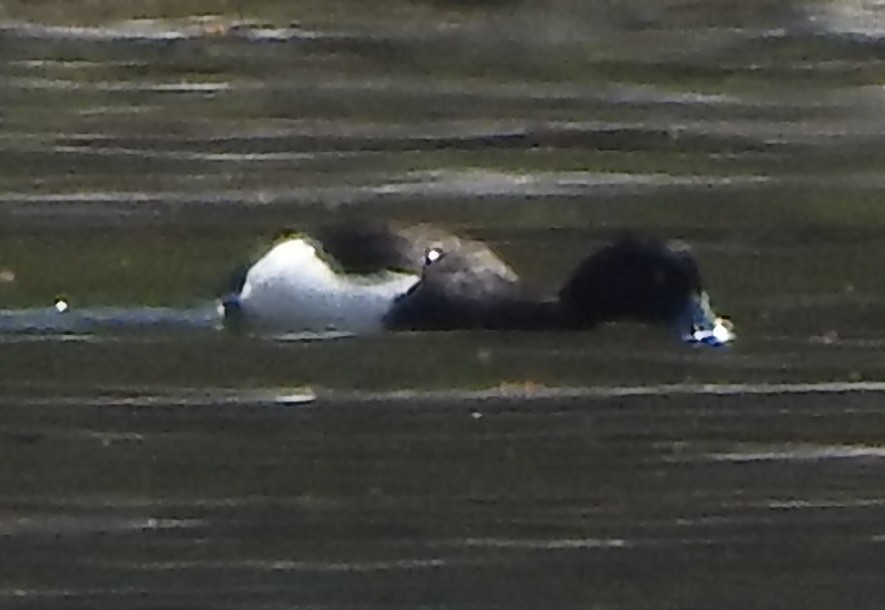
x=700 y=324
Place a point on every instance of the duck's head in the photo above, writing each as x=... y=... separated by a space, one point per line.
x=647 y=281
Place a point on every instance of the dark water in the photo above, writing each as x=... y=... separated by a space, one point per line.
x=148 y=460
x=647 y=502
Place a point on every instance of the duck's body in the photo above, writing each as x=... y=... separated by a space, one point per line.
x=300 y=285
x=291 y=288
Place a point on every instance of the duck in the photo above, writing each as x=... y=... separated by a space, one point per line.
x=365 y=278
x=342 y=276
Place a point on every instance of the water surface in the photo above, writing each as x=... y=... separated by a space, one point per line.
x=149 y=459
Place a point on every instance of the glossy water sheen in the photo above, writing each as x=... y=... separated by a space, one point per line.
x=150 y=460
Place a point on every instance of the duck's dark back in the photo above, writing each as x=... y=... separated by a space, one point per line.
x=366 y=247
x=469 y=287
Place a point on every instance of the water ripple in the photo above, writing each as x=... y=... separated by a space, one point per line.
x=802 y=453
x=49 y=321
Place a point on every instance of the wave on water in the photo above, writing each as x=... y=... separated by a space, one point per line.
x=62 y=323
x=801 y=453
x=60 y=319
x=161 y=30
x=850 y=17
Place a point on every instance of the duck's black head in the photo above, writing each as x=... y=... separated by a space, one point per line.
x=637 y=279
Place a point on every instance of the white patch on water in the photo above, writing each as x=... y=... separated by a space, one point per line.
x=854 y=17
x=801 y=453
x=162 y=30
x=308 y=335
x=286 y=565
x=500 y=183
x=58 y=84
x=55 y=524
x=817 y=503
x=545 y=543
x=281 y=397
x=193 y=398
x=557 y=393
x=186 y=155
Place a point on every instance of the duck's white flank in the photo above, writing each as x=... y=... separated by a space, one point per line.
x=293 y=289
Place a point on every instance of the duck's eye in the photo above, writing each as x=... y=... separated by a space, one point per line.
x=432 y=255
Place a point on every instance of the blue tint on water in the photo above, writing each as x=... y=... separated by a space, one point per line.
x=695 y=327
x=49 y=320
